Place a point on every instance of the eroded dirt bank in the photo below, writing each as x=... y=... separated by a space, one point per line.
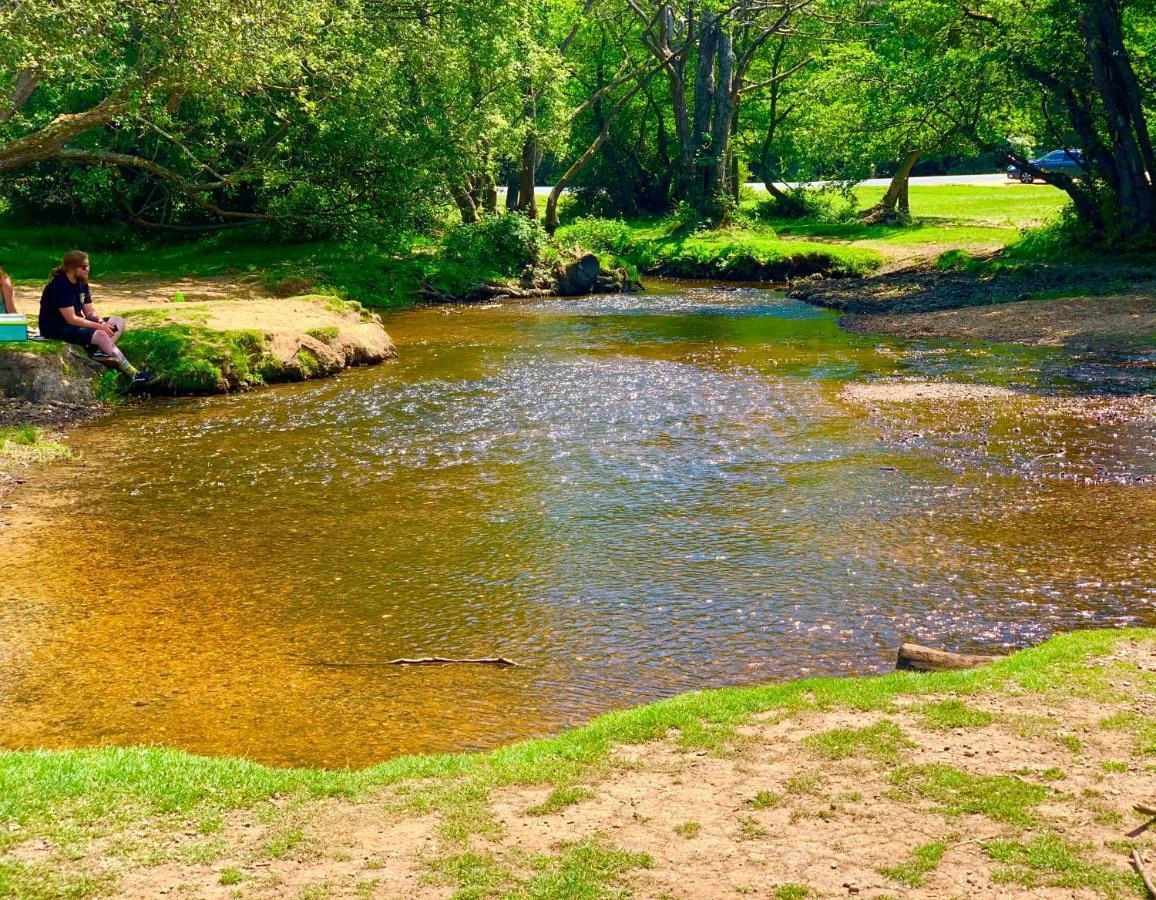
x=1110 y=308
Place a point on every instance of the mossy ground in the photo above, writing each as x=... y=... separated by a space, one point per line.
x=945 y=783
x=29 y=444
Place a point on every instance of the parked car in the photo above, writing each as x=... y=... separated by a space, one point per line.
x=1070 y=162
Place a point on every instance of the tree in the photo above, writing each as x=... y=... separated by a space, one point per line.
x=81 y=74
x=1084 y=68
x=706 y=52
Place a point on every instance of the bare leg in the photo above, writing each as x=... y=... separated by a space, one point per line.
x=118 y=323
x=104 y=342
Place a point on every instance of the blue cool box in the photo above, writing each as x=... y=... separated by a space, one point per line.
x=13 y=327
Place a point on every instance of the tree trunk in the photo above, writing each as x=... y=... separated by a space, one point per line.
x=528 y=178
x=49 y=142
x=1131 y=146
x=580 y=163
x=465 y=204
x=489 y=196
x=512 y=191
x=894 y=208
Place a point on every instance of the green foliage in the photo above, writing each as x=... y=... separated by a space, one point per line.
x=737 y=254
x=924 y=859
x=505 y=243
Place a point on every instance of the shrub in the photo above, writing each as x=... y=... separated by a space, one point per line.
x=506 y=243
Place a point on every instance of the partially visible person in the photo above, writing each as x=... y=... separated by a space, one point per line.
x=7 y=292
x=67 y=314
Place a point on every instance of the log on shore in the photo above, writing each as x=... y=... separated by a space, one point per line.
x=916 y=658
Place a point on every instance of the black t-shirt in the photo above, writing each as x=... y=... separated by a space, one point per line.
x=59 y=294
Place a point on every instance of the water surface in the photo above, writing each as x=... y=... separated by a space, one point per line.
x=631 y=496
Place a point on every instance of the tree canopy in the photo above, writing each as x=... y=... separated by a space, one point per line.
x=317 y=116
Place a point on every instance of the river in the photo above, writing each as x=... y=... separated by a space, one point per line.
x=631 y=496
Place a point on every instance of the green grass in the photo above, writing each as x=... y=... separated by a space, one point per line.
x=882 y=741
x=1142 y=729
x=1000 y=797
x=1012 y=205
x=57 y=795
x=189 y=359
x=229 y=876
x=559 y=799
x=792 y=891
x=924 y=859
x=946 y=714
x=325 y=335
x=584 y=871
x=1049 y=861
x=472 y=875
x=687 y=830
x=765 y=800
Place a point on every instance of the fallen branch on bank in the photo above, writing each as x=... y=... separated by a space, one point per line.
x=1138 y=865
x=916 y=658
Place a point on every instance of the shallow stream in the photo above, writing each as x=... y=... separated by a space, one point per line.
x=632 y=496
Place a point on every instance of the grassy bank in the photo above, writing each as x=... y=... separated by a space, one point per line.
x=619 y=804
x=829 y=239
x=748 y=252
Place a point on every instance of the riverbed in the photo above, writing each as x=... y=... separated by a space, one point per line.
x=632 y=496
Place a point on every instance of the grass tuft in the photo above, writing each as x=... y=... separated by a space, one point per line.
x=999 y=797
x=559 y=799
x=924 y=859
x=584 y=871
x=945 y=714
x=687 y=830
x=1049 y=861
x=882 y=741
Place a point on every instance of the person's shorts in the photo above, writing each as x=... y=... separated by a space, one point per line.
x=72 y=334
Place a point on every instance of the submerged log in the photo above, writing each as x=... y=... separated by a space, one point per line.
x=500 y=661
x=916 y=658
